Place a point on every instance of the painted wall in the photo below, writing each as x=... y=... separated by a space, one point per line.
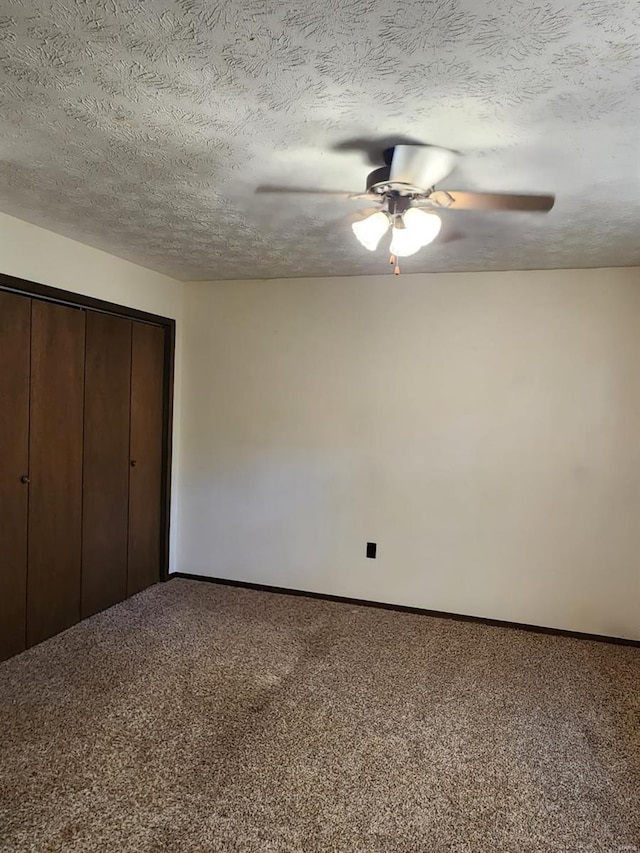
x=35 y=254
x=483 y=429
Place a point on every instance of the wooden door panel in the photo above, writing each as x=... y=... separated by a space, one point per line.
x=15 y=346
x=55 y=469
x=105 y=492
x=145 y=476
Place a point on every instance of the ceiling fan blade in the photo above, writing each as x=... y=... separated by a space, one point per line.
x=439 y=198
x=500 y=201
x=421 y=165
x=302 y=191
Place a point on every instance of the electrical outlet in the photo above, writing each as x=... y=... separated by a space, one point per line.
x=371 y=550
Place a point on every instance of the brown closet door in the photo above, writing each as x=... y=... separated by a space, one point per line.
x=145 y=476
x=15 y=345
x=105 y=490
x=55 y=497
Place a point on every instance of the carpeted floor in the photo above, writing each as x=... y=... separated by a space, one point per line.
x=197 y=717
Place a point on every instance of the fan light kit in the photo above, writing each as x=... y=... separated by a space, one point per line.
x=405 y=186
x=410 y=231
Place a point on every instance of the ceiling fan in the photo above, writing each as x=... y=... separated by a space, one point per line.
x=406 y=198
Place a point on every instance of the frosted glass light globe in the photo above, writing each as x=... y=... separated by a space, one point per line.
x=422 y=225
x=403 y=243
x=369 y=231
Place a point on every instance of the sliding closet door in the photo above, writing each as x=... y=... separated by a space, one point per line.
x=55 y=492
x=105 y=491
x=145 y=475
x=15 y=323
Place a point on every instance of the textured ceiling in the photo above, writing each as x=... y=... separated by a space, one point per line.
x=144 y=128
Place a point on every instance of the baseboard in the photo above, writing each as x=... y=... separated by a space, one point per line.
x=421 y=611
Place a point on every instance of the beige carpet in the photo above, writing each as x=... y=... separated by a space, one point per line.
x=203 y=718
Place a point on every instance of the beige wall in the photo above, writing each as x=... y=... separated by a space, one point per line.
x=483 y=429
x=35 y=254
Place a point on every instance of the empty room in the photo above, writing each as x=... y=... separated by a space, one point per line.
x=319 y=426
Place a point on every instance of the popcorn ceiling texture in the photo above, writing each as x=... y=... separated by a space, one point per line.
x=144 y=128
x=196 y=718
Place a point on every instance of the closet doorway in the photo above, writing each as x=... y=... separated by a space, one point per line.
x=86 y=390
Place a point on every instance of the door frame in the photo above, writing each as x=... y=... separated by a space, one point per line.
x=35 y=290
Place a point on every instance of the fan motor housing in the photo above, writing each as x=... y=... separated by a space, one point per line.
x=378 y=176
x=379 y=183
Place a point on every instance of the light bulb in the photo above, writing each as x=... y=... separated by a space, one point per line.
x=369 y=231
x=423 y=226
x=403 y=242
